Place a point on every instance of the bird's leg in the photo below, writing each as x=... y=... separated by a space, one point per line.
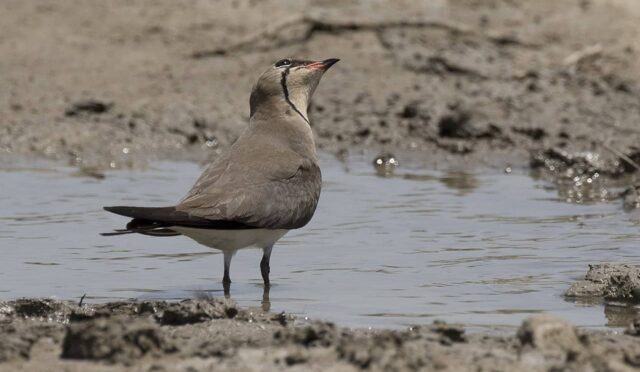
x=226 y=279
x=264 y=265
x=266 y=303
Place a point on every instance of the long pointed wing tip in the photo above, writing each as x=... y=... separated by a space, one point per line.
x=117 y=232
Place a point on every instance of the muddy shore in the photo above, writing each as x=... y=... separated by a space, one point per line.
x=214 y=334
x=207 y=333
x=468 y=82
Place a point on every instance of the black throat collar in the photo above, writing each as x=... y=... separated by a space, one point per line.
x=285 y=90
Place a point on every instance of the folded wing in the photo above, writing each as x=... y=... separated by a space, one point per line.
x=277 y=189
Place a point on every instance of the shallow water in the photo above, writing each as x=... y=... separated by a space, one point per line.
x=485 y=249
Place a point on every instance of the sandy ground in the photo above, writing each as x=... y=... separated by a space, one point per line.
x=551 y=84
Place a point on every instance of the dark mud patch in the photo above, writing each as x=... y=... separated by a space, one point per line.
x=90 y=106
x=189 y=312
x=38 y=308
x=314 y=335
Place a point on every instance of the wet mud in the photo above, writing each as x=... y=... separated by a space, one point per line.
x=467 y=81
x=547 y=84
x=202 y=334
x=589 y=176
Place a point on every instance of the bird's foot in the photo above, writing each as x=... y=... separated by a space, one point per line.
x=226 y=286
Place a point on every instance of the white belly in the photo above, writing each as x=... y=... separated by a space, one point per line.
x=232 y=240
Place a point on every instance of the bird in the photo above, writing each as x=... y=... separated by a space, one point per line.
x=267 y=183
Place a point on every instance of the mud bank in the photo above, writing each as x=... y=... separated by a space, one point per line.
x=466 y=81
x=617 y=287
x=214 y=334
x=611 y=282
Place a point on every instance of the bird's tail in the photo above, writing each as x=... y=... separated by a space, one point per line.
x=118 y=232
x=146 y=221
x=157 y=221
x=151 y=231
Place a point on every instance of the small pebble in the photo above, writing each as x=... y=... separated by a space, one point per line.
x=385 y=164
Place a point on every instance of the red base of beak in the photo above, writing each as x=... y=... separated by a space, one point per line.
x=323 y=64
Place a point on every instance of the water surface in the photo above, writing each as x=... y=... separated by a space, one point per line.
x=483 y=248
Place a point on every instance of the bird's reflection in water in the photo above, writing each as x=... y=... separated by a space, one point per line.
x=462 y=182
x=619 y=314
x=265 y=303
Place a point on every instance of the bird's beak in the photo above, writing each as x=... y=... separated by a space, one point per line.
x=323 y=65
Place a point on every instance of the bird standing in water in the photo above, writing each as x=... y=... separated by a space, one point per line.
x=266 y=184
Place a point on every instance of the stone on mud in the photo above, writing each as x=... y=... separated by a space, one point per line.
x=548 y=332
x=618 y=282
x=118 y=339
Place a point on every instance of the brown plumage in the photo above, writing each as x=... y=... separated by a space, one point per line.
x=267 y=183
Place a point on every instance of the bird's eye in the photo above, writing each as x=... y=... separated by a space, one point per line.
x=283 y=62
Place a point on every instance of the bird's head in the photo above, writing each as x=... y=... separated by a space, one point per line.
x=291 y=80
